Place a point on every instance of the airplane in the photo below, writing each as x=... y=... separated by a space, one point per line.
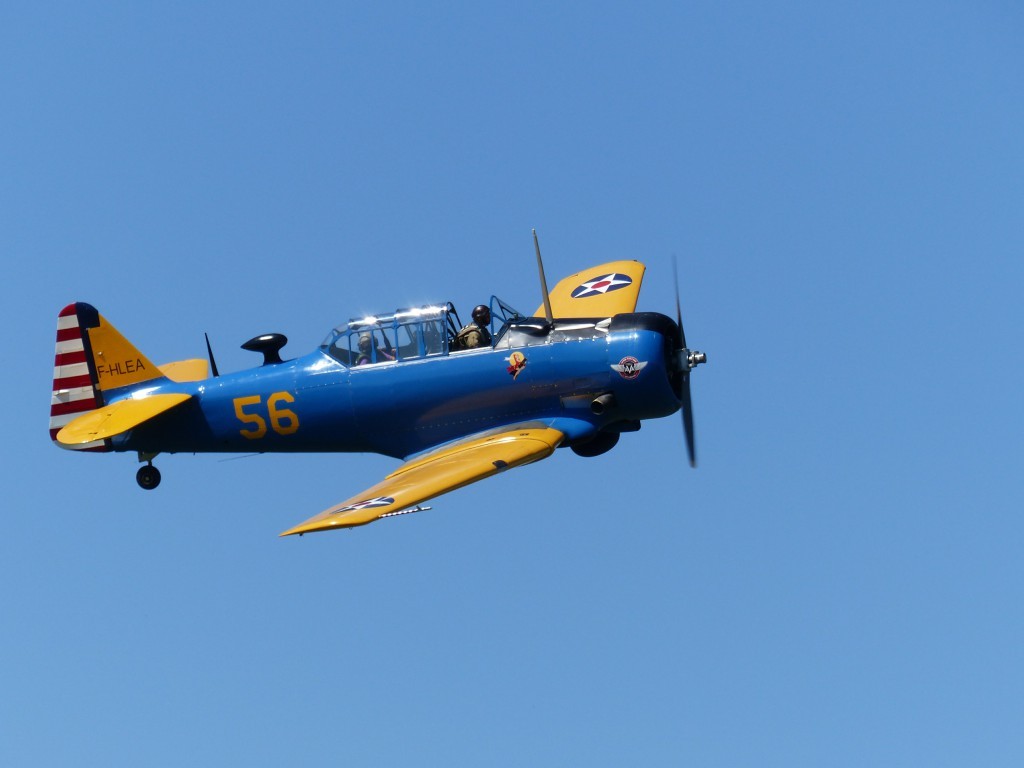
x=580 y=371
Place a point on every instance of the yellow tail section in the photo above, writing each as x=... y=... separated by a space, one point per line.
x=112 y=420
x=116 y=361
x=92 y=359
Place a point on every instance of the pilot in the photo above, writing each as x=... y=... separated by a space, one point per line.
x=368 y=349
x=476 y=334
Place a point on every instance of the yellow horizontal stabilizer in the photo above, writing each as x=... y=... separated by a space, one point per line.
x=602 y=291
x=186 y=370
x=453 y=466
x=117 y=418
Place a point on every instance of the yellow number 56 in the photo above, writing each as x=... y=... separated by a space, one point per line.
x=282 y=420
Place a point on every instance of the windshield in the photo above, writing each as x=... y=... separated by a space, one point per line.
x=501 y=315
x=406 y=334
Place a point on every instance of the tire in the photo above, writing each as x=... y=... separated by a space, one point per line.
x=148 y=477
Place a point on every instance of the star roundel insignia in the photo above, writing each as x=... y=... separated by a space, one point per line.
x=380 y=501
x=598 y=286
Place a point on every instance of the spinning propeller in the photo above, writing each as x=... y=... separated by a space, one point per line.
x=685 y=361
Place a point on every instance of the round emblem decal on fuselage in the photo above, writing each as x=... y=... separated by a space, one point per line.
x=629 y=368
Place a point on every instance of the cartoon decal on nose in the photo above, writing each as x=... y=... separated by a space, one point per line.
x=516 y=362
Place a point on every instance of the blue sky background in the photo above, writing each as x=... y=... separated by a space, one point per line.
x=840 y=581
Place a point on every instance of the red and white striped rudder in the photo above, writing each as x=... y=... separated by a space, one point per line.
x=74 y=381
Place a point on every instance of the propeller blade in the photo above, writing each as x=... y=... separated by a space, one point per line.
x=686 y=360
x=687 y=409
x=679 y=311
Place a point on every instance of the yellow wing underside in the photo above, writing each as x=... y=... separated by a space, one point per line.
x=602 y=291
x=436 y=473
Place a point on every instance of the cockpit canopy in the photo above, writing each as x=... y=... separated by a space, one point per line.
x=406 y=334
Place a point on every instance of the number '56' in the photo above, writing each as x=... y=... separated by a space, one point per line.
x=282 y=420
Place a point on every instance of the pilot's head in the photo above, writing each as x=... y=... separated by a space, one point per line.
x=366 y=342
x=481 y=315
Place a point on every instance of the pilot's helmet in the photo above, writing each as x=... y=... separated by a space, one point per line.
x=366 y=341
x=481 y=314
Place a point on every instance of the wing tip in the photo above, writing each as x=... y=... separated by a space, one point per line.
x=299 y=530
x=313 y=526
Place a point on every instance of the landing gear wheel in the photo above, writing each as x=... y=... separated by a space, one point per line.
x=148 y=477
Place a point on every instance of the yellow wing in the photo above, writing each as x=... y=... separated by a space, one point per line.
x=438 y=472
x=114 y=419
x=601 y=291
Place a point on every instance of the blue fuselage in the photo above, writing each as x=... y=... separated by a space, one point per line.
x=399 y=408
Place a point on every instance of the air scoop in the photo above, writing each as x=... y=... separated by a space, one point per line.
x=269 y=344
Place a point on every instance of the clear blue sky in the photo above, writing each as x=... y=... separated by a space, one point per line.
x=839 y=583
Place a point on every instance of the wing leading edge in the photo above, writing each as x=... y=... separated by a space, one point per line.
x=452 y=466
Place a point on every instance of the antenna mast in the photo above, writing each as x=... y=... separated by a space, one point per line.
x=543 y=281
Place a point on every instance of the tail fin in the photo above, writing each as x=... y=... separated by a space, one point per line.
x=92 y=358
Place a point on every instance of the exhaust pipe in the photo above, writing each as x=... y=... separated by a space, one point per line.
x=602 y=403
